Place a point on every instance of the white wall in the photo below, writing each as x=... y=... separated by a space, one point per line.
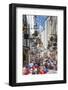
x=4 y=47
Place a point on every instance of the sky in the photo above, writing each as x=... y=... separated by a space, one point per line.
x=40 y=21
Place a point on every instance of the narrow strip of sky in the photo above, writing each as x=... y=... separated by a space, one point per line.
x=40 y=22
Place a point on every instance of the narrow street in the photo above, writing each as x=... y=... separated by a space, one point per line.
x=39 y=44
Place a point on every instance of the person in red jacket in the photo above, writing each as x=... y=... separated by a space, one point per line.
x=41 y=70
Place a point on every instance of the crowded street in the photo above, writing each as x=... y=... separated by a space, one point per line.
x=39 y=45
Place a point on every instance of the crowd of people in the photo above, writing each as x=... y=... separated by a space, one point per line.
x=41 y=64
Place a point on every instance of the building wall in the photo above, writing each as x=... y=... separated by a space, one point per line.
x=50 y=30
x=52 y=26
x=30 y=21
